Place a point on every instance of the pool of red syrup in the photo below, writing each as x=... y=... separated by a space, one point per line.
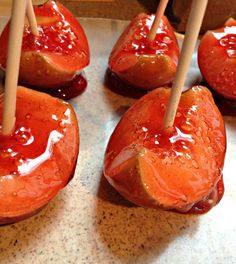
x=114 y=83
x=214 y=198
x=68 y=90
x=119 y=86
x=226 y=106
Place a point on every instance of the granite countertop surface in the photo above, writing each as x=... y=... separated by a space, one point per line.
x=89 y=222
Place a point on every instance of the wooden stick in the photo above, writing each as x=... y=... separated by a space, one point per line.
x=159 y=13
x=13 y=64
x=193 y=27
x=31 y=18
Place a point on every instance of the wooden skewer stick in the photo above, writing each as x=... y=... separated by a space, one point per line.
x=13 y=65
x=159 y=13
x=31 y=18
x=193 y=27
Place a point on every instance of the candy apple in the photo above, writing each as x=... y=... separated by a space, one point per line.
x=57 y=55
x=142 y=63
x=39 y=157
x=217 y=59
x=179 y=169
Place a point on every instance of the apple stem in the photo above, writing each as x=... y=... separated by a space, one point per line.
x=159 y=13
x=13 y=64
x=31 y=18
x=197 y=12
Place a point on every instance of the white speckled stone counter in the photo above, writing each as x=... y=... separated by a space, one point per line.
x=88 y=222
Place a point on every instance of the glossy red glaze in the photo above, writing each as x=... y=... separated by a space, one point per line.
x=59 y=53
x=217 y=59
x=50 y=40
x=134 y=39
x=133 y=54
x=31 y=171
x=174 y=170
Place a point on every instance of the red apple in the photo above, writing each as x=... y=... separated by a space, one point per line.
x=55 y=57
x=217 y=59
x=179 y=169
x=39 y=158
x=142 y=63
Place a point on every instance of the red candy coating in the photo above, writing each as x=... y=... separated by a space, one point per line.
x=33 y=164
x=217 y=59
x=59 y=53
x=178 y=170
x=140 y=62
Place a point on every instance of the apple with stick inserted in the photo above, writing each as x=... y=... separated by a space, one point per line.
x=168 y=149
x=37 y=131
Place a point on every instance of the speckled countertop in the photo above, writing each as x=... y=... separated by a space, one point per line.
x=88 y=222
